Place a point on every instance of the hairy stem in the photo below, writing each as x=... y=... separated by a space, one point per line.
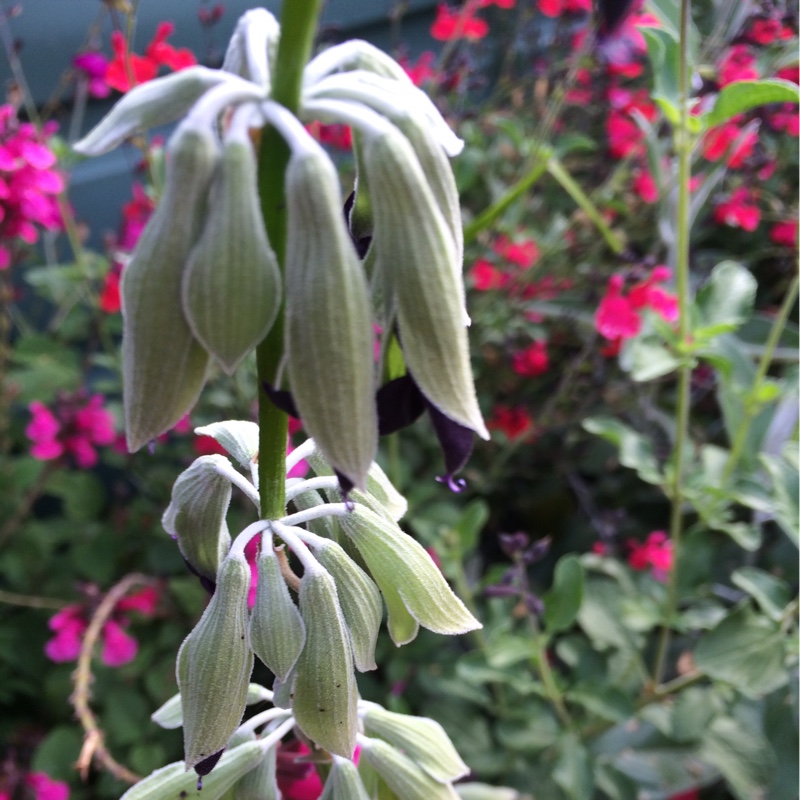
x=683 y=147
x=298 y=25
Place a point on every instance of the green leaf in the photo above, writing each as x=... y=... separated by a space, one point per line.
x=563 y=601
x=646 y=358
x=741 y=754
x=600 y=615
x=741 y=96
x=573 y=770
x=635 y=452
x=470 y=524
x=537 y=731
x=745 y=650
x=664 y=54
x=786 y=493
x=606 y=702
x=725 y=301
x=771 y=593
x=82 y=493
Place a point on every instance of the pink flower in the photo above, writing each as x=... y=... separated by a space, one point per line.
x=450 y=24
x=739 y=210
x=786 y=119
x=72 y=430
x=69 y=626
x=625 y=137
x=555 y=8
x=531 y=361
x=655 y=554
x=766 y=31
x=784 y=233
x=29 y=184
x=45 y=788
x=335 y=135
x=119 y=647
x=737 y=64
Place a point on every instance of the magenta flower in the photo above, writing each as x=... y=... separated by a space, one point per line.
x=119 y=647
x=45 y=788
x=739 y=210
x=72 y=430
x=93 y=65
x=29 y=184
x=531 y=361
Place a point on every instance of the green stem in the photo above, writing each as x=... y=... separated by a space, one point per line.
x=751 y=404
x=546 y=674
x=298 y=26
x=683 y=147
x=489 y=215
x=584 y=202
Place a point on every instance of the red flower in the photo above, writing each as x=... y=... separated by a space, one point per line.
x=766 y=31
x=737 y=64
x=718 y=142
x=655 y=554
x=618 y=315
x=109 y=299
x=784 y=233
x=523 y=254
x=422 y=71
x=787 y=120
x=335 y=135
x=486 y=276
x=532 y=361
x=515 y=422
x=555 y=8
x=644 y=185
x=208 y=446
x=450 y=25
x=739 y=210
x=625 y=137
x=127 y=70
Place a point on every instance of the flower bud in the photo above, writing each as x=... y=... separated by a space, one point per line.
x=328 y=320
x=325 y=692
x=359 y=600
x=260 y=783
x=214 y=665
x=252 y=47
x=163 y=364
x=344 y=782
x=174 y=781
x=170 y=716
x=231 y=287
x=399 y=564
x=407 y=780
x=150 y=105
x=238 y=437
x=417 y=261
x=422 y=740
x=196 y=515
x=277 y=631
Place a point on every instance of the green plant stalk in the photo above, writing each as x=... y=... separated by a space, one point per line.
x=298 y=26
x=752 y=406
x=489 y=215
x=546 y=673
x=683 y=147
x=584 y=202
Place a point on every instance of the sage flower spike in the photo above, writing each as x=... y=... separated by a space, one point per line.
x=328 y=315
x=231 y=287
x=151 y=104
x=252 y=47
